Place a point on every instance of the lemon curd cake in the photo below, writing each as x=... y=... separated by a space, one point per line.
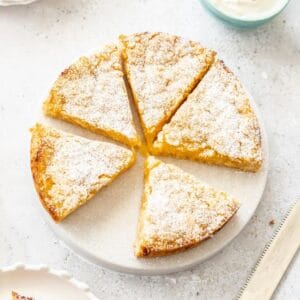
x=178 y=211
x=16 y=296
x=189 y=104
x=215 y=125
x=162 y=70
x=68 y=170
x=92 y=93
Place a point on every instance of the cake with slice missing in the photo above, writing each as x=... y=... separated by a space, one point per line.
x=162 y=70
x=190 y=105
x=215 y=125
x=92 y=93
x=178 y=211
x=69 y=170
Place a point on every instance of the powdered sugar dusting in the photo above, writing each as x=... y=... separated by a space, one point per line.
x=181 y=210
x=216 y=117
x=162 y=69
x=80 y=167
x=99 y=96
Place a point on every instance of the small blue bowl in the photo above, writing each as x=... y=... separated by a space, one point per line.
x=242 y=21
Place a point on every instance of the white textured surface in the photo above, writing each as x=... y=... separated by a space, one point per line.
x=37 y=41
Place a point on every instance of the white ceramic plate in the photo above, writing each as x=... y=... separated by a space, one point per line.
x=41 y=283
x=15 y=2
x=104 y=230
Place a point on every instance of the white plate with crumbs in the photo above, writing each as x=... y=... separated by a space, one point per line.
x=104 y=230
x=40 y=282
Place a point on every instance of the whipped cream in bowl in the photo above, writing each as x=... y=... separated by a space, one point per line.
x=245 y=13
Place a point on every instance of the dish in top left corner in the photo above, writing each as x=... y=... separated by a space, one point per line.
x=15 y=2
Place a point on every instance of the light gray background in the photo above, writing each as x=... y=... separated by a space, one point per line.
x=38 y=40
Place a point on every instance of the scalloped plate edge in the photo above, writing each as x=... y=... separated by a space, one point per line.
x=62 y=274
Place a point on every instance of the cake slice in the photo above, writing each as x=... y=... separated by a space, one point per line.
x=69 y=170
x=16 y=296
x=178 y=211
x=162 y=70
x=215 y=125
x=92 y=93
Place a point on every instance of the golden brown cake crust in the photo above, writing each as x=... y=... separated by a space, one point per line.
x=215 y=125
x=178 y=211
x=162 y=70
x=68 y=170
x=91 y=93
x=16 y=296
x=41 y=152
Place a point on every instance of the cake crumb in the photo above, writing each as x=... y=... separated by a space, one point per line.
x=271 y=222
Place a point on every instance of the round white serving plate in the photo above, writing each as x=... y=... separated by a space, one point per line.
x=15 y=2
x=41 y=283
x=103 y=231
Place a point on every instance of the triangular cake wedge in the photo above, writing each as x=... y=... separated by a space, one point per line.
x=92 y=93
x=69 y=170
x=178 y=211
x=215 y=125
x=162 y=70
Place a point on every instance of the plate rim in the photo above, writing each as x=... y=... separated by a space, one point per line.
x=15 y=2
x=61 y=274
